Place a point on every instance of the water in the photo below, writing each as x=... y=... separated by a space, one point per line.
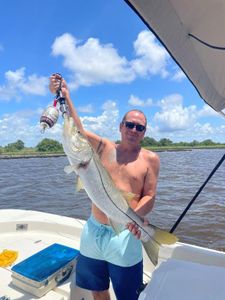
x=41 y=184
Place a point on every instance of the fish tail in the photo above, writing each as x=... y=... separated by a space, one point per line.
x=152 y=250
x=164 y=237
x=160 y=237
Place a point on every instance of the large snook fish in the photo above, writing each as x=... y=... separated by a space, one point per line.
x=103 y=193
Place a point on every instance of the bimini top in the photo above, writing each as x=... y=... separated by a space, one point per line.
x=193 y=33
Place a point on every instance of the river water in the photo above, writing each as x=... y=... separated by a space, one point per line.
x=41 y=184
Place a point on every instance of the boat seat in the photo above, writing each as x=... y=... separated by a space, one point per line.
x=179 y=279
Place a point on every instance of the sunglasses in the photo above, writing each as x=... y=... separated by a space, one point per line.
x=131 y=125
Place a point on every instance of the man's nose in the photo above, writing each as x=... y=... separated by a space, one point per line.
x=133 y=129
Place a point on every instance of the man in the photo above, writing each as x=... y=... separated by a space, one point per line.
x=105 y=254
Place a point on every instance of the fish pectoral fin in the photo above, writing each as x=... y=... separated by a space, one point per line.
x=128 y=196
x=79 y=184
x=68 y=169
x=164 y=237
x=117 y=227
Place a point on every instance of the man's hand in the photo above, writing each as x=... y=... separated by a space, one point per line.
x=54 y=84
x=134 y=228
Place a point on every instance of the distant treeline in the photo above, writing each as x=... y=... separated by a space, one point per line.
x=151 y=142
x=46 y=145
x=147 y=141
x=49 y=145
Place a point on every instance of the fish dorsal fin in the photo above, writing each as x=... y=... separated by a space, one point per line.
x=117 y=227
x=68 y=169
x=79 y=184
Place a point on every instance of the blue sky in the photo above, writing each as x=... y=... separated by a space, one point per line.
x=111 y=62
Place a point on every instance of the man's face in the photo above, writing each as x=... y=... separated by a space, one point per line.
x=133 y=128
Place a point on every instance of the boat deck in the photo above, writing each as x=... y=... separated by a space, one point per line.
x=183 y=271
x=28 y=232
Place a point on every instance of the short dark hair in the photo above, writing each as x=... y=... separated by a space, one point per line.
x=136 y=110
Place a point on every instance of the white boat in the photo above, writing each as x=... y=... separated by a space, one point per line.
x=183 y=272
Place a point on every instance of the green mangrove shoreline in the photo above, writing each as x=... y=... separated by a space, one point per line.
x=35 y=154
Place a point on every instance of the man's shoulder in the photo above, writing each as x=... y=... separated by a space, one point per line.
x=108 y=143
x=150 y=155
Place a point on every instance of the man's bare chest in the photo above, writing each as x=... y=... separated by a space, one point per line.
x=128 y=174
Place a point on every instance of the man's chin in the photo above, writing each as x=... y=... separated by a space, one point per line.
x=132 y=139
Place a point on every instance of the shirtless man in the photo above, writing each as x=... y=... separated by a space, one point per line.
x=104 y=254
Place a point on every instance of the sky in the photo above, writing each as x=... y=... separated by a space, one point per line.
x=111 y=62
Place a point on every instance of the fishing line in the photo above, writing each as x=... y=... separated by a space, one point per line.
x=124 y=213
x=197 y=194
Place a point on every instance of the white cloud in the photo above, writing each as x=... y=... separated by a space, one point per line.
x=173 y=115
x=16 y=83
x=136 y=101
x=19 y=125
x=152 y=58
x=178 y=76
x=24 y=125
x=207 y=111
x=202 y=132
x=91 y=63
x=177 y=122
x=197 y=132
x=106 y=124
x=204 y=129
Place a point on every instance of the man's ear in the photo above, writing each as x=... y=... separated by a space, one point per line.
x=143 y=134
x=121 y=125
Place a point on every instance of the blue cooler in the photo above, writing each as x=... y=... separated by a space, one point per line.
x=44 y=270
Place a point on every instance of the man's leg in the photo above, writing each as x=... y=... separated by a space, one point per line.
x=126 y=281
x=93 y=275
